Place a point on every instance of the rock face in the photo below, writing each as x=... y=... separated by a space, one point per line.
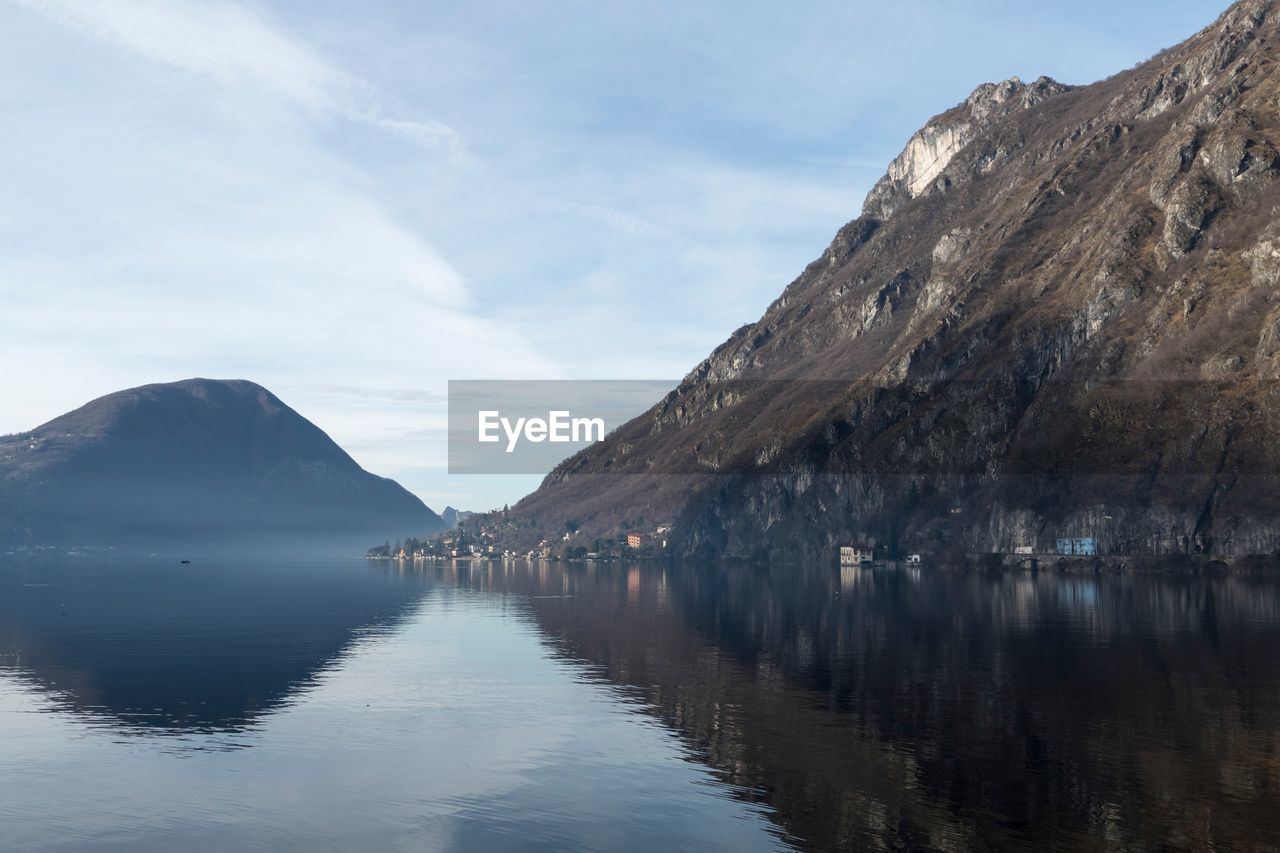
x=195 y=461
x=1058 y=315
x=454 y=517
x=923 y=163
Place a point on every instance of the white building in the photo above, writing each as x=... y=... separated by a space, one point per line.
x=856 y=554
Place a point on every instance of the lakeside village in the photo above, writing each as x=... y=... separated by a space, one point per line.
x=479 y=541
x=488 y=538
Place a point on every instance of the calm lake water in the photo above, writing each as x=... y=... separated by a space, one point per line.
x=345 y=705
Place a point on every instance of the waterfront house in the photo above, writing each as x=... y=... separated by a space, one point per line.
x=856 y=554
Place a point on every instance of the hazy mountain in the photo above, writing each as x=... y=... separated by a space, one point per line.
x=1058 y=314
x=194 y=461
x=453 y=517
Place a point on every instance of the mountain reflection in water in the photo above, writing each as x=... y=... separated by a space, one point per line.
x=904 y=708
x=170 y=648
x=854 y=709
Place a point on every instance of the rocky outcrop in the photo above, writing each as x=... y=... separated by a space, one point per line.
x=1057 y=316
x=454 y=517
x=922 y=165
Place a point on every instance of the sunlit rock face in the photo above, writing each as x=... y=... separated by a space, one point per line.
x=927 y=154
x=923 y=162
x=1056 y=316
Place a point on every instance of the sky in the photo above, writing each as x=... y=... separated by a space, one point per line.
x=352 y=203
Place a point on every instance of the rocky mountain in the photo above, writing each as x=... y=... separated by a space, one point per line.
x=197 y=461
x=454 y=517
x=1058 y=314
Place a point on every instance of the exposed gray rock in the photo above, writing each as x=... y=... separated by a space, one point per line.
x=917 y=169
x=1058 y=315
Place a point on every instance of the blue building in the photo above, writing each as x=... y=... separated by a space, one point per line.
x=1080 y=547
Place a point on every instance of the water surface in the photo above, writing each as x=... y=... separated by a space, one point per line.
x=345 y=705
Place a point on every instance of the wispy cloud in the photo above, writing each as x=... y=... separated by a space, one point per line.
x=624 y=222
x=327 y=197
x=236 y=45
x=222 y=40
x=428 y=134
x=206 y=223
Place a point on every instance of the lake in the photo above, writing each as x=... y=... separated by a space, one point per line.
x=341 y=704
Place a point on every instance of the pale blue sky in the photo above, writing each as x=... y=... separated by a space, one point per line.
x=351 y=203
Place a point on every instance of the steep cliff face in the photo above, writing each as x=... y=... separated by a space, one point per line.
x=1058 y=315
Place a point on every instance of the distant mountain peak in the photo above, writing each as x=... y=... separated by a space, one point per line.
x=189 y=460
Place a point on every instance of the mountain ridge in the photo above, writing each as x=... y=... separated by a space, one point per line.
x=1028 y=244
x=198 y=459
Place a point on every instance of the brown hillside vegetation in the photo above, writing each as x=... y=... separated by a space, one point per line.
x=1057 y=315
